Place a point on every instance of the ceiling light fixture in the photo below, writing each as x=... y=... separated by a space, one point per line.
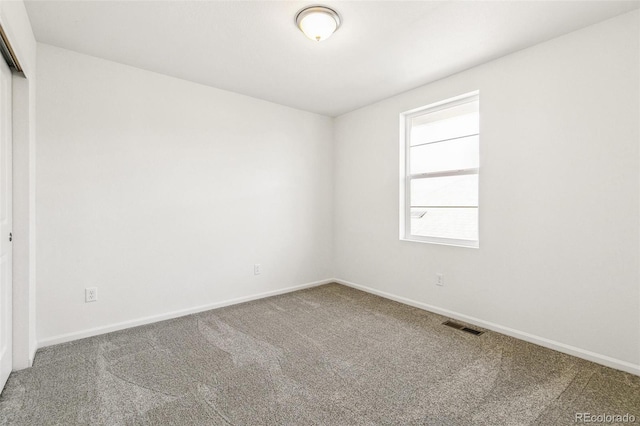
x=318 y=22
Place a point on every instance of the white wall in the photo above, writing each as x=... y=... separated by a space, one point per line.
x=164 y=193
x=559 y=198
x=15 y=22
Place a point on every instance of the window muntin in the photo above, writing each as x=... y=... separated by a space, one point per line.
x=440 y=149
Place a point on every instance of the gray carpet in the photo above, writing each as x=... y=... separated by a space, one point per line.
x=329 y=355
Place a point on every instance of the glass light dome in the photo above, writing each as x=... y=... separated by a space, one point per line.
x=318 y=23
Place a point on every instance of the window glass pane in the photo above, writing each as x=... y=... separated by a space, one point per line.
x=454 y=122
x=455 y=154
x=445 y=191
x=461 y=224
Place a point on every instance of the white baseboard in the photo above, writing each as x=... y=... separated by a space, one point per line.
x=541 y=341
x=551 y=344
x=63 y=338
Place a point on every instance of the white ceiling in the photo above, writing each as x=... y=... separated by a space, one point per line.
x=254 y=48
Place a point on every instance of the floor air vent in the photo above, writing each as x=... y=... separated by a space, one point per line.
x=462 y=328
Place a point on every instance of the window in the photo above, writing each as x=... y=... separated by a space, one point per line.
x=440 y=164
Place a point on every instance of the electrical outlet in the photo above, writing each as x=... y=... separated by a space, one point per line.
x=257 y=269
x=90 y=294
x=440 y=279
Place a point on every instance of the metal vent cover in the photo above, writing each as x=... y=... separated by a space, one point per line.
x=461 y=327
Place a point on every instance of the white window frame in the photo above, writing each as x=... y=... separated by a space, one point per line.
x=406 y=177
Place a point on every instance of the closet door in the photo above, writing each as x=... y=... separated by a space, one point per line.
x=5 y=224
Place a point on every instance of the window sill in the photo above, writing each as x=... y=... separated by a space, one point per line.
x=442 y=241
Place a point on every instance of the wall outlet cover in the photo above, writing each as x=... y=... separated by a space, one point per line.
x=91 y=294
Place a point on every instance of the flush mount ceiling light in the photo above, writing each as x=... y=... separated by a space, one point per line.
x=318 y=22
